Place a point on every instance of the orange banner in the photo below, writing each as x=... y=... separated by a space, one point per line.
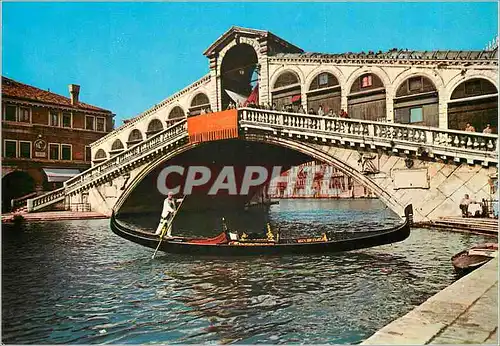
x=213 y=126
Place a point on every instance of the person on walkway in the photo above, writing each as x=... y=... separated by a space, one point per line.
x=321 y=112
x=464 y=205
x=167 y=214
x=302 y=110
x=469 y=128
x=487 y=129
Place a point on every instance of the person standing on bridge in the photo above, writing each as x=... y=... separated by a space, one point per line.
x=321 y=112
x=167 y=213
x=469 y=128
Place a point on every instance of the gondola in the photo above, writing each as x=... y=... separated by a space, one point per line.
x=225 y=244
x=466 y=261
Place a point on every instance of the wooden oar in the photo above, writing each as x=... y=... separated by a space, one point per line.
x=165 y=230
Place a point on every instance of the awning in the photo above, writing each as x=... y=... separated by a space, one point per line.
x=295 y=98
x=60 y=174
x=237 y=98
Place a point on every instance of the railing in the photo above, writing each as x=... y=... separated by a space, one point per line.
x=19 y=202
x=46 y=199
x=161 y=139
x=462 y=144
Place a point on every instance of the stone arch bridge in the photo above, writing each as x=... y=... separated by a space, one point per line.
x=429 y=167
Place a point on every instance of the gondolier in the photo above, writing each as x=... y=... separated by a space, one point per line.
x=168 y=211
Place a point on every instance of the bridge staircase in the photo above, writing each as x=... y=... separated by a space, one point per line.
x=120 y=164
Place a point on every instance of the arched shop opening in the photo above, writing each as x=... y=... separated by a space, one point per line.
x=417 y=102
x=175 y=115
x=154 y=127
x=134 y=137
x=200 y=101
x=366 y=99
x=14 y=185
x=474 y=101
x=286 y=91
x=324 y=91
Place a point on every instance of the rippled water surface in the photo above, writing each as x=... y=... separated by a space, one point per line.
x=77 y=282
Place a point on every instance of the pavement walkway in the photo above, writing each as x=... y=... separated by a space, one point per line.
x=55 y=216
x=466 y=312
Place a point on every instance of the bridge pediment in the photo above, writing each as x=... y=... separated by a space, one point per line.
x=236 y=33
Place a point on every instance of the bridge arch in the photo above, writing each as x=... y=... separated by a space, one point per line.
x=154 y=126
x=198 y=102
x=474 y=100
x=238 y=73
x=310 y=150
x=366 y=94
x=134 y=137
x=286 y=89
x=235 y=42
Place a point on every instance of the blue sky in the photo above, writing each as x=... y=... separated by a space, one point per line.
x=130 y=56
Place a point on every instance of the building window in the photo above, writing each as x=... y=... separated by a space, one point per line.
x=54 y=118
x=10 y=112
x=66 y=152
x=415 y=84
x=89 y=123
x=99 y=122
x=66 y=120
x=10 y=149
x=54 y=151
x=25 y=149
x=416 y=115
x=323 y=80
x=24 y=115
x=366 y=81
x=88 y=154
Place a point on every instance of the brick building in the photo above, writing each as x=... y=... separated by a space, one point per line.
x=45 y=138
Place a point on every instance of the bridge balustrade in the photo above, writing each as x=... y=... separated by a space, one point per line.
x=443 y=143
x=472 y=146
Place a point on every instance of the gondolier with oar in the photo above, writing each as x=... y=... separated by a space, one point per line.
x=167 y=217
x=169 y=208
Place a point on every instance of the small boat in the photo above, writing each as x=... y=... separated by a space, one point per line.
x=230 y=244
x=466 y=261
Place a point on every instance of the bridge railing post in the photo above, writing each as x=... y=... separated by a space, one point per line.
x=371 y=130
x=429 y=137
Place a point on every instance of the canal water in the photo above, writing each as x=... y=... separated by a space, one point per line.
x=77 y=282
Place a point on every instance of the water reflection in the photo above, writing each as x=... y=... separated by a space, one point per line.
x=82 y=284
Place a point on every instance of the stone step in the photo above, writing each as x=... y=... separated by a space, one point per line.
x=487 y=229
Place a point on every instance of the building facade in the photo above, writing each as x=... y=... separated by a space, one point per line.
x=316 y=180
x=443 y=89
x=46 y=138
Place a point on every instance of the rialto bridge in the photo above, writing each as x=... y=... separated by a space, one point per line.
x=407 y=112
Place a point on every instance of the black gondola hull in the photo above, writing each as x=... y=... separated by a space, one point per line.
x=181 y=246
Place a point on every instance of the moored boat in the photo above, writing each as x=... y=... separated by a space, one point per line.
x=466 y=261
x=229 y=244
